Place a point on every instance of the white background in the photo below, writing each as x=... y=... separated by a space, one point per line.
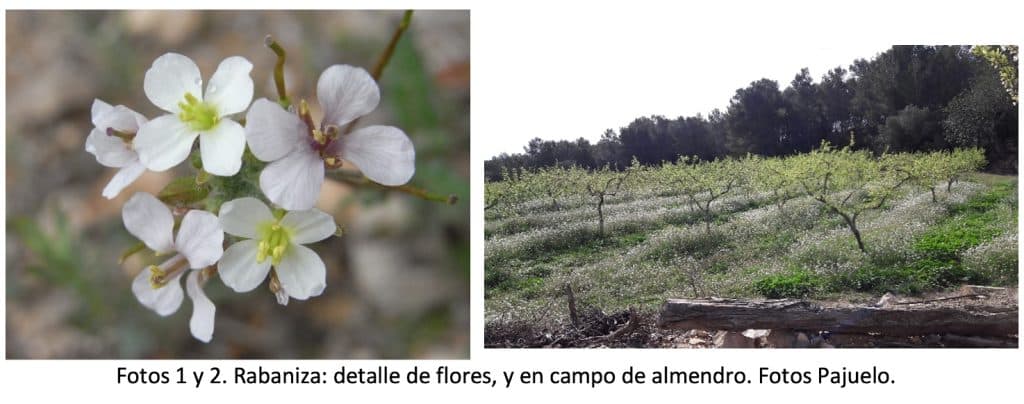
x=522 y=53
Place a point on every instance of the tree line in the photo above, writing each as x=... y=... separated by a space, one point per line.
x=906 y=99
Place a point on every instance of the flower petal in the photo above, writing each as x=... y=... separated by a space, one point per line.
x=149 y=220
x=230 y=88
x=301 y=272
x=120 y=117
x=203 y=310
x=169 y=79
x=221 y=148
x=241 y=217
x=99 y=108
x=346 y=93
x=110 y=151
x=271 y=131
x=125 y=176
x=164 y=142
x=238 y=267
x=383 y=153
x=165 y=300
x=294 y=181
x=309 y=226
x=200 y=238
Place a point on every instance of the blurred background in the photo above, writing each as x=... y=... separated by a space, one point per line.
x=397 y=281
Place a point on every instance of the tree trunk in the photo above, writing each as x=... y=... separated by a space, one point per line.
x=600 y=214
x=856 y=235
x=707 y=217
x=851 y=222
x=799 y=315
x=934 y=199
x=572 y=305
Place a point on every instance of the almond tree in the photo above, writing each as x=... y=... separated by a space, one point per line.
x=705 y=182
x=847 y=182
x=602 y=184
x=773 y=175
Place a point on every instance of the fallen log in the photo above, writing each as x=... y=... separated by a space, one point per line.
x=800 y=315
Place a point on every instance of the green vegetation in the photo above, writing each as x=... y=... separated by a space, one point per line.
x=794 y=282
x=920 y=222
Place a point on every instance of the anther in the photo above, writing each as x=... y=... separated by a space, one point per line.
x=332 y=132
x=278 y=254
x=157 y=277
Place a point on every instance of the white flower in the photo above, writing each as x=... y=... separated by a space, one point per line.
x=298 y=150
x=199 y=244
x=110 y=142
x=273 y=240
x=173 y=83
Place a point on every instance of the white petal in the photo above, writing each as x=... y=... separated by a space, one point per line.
x=271 y=131
x=309 y=226
x=222 y=148
x=230 y=88
x=239 y=269
x=149 y=220
x=165 y=300
x=346 y=93
x=200 y=238
x=110 y=151
x=294 y=181
x=383 y=153
x=241 y=217
x=203 y=310
x=99 y=108
x=120 y=118
x=125 y=176
x=170 y=78
x=301 y=272
x=164 y=142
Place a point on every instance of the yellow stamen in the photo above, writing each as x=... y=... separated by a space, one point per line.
x=197 y=114
x=261 y=253
x=157 y=277
x=274 y=240
x=278 y=254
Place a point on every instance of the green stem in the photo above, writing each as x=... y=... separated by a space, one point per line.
x=385 y=57
x=359 y=180
x=282 y=92
x=131 y=251
x=378 y=69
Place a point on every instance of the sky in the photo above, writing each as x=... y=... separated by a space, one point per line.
x=598 y=89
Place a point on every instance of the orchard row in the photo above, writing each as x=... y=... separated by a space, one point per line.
x=844 y=181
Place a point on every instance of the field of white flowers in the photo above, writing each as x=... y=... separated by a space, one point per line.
x=656 y=246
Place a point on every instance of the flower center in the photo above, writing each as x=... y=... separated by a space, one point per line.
x=320 y=139
x=274 y=240
x=197 y=114
x=160 y=275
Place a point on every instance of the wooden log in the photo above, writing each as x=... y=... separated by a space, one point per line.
x=799 y=315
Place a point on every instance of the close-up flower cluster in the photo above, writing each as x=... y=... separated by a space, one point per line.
x=238 y=184
x=263 y=241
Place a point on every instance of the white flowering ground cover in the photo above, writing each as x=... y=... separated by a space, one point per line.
x=656 y=247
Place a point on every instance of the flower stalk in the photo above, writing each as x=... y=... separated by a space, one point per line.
x=355 y=179
x=282 y=92
x=382 y=62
